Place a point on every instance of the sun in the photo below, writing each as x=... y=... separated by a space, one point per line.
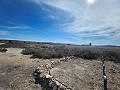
x=91 y=1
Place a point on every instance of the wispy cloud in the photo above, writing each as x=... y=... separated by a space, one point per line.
x=15 y=27
x=14 y=32
x=4 y=33
x=101 y=19
x=66 y=20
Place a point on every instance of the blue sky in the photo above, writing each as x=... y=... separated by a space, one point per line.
x=62 y=21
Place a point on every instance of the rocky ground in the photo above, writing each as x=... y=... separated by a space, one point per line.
x=79 y=74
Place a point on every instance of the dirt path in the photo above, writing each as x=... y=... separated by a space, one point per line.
x=16 y=71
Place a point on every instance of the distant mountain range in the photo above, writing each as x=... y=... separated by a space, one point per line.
x=22 y=44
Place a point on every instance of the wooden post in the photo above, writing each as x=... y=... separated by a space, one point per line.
x=103 y=69
x=104 y=74
x=105 y=82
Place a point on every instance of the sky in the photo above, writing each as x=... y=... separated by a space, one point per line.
x=61 y=21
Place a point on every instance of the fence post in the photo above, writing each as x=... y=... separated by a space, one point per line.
x=105 y=82
x=104 y=74
x=103 y=69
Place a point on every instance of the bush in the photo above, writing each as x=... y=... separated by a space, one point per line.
x=62 y=51
x=113 y=56
x=59 y=52
x=87 y=54
x=28 y=51
x=46 y=53
x=3 y=50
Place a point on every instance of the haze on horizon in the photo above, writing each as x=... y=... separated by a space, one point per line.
x=61 y=21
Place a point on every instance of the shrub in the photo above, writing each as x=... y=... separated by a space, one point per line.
x=87 y=54
x=3 y=50
x=113 y=56
x=46 y=53
x=28 y=51
x=62 y=51
x=59 y=52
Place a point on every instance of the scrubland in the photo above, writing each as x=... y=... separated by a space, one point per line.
x=78 y=67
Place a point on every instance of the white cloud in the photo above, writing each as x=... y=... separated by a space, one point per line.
x=15 y=27
x=101 y=19
x=4 y=33
x=53 y=17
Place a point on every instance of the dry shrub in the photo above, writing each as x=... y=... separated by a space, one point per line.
x=3 y=49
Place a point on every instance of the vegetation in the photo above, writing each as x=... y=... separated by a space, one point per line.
x=3 y=50
x=87 y=54
x=112 y=56
x=52 y=50
x=62 y=51
x=46 y=53
x=14 y=44
x=58 y=52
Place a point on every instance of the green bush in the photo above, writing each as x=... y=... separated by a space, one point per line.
x=28 y=51
x=59 y=52
x=62 y=51
x=46 y=53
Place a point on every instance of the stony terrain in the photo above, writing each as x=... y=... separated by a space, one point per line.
x=79 y=74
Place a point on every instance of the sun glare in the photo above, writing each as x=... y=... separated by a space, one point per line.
x=91 y=1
